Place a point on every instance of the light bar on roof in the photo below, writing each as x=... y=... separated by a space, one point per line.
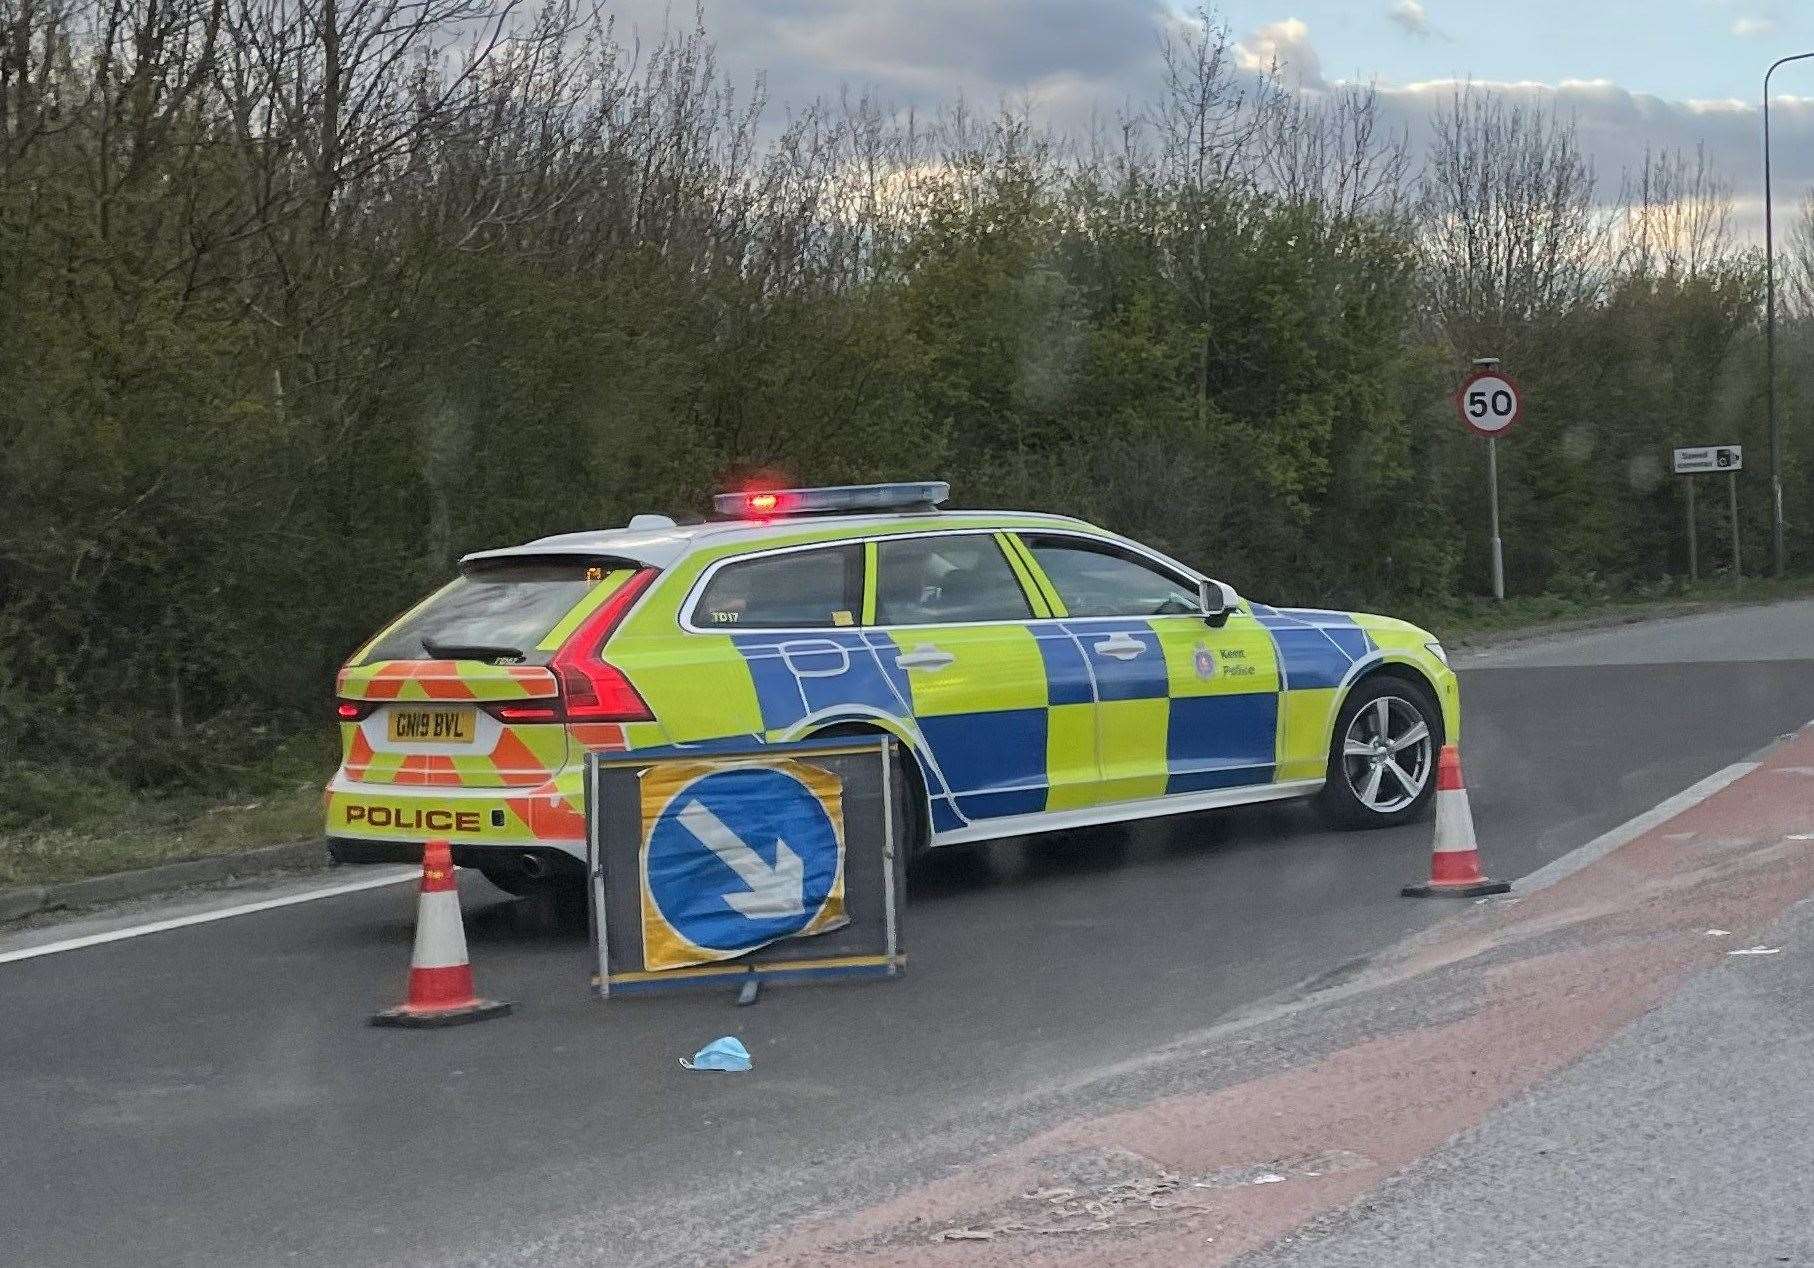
x=761 y=504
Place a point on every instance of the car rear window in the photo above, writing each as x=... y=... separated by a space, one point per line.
x=510 y=607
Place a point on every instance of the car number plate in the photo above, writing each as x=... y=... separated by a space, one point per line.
x=431 y=726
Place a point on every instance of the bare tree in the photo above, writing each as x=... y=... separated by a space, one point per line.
x=1208 y=117
x=1675 y=218
x=34 y=43
x=1332 y=151
x=1508 y=224
x=1799 y=291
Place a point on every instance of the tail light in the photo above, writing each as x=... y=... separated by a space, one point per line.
x=353 y=710
x=591 y=689
x=533 y=712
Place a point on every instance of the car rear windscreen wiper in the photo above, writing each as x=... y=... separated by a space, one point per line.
x=454 y=649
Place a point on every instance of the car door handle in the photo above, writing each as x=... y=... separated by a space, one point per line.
x=925 y=656
x=1121 y=647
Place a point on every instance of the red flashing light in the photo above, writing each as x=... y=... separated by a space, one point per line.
x=353 y=710
x=591 y=690
x=769 y=503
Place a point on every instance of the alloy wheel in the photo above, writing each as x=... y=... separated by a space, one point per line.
x=1387 y=754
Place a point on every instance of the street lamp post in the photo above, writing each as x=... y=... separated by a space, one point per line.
x=1776 y=439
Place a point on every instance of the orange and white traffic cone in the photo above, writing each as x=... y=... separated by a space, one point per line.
x=440 y=978
x=1455 y=860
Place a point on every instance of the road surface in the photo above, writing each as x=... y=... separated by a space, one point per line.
x=1687 y=1141
x=211 y=1095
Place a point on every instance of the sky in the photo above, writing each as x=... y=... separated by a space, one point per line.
x=1634 y=74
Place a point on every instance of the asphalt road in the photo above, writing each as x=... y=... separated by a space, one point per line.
x=212 y=1095
x=1686 y=1142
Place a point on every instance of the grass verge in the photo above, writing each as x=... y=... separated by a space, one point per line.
x=1477 y=622
x=67 y=822
x=158 y=830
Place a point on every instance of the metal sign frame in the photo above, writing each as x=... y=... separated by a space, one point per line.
x=789 y=959
x=1712 y=455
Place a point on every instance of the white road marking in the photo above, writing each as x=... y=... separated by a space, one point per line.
x=204 y=917
x=1631 y=829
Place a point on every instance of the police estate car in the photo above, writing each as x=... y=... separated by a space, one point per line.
x=1042 y=672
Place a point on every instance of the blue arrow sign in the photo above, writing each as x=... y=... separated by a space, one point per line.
x=741 y=857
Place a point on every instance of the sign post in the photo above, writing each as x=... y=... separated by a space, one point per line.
x=1694 y=553
x=1738 y=572
x=1712 y=460
x=1489 y=404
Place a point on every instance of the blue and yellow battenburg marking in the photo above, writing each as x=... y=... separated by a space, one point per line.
x=1074 y=712
x=1318 y=651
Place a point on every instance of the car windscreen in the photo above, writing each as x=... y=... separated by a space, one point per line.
x=496 y=611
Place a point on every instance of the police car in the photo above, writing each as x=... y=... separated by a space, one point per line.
x=1042 y=672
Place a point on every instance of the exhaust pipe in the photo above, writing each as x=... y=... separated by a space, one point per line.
x=534 y=866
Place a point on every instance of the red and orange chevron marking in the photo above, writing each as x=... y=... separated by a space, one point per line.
x=444 y=680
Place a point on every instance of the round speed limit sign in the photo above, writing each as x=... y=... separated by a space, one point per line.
x=1488 y=403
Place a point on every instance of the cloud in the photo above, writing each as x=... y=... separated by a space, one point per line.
x=1616 y=127
x=1752 y=27
x=1286 y=46
x=1076 y=58
x=1410 y=16
x=1066 y=56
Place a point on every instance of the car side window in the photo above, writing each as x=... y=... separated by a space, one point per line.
x=1100 y=579
x=946 y=580
x=797 y=589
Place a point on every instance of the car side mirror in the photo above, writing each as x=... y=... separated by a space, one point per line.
x=1217 y=602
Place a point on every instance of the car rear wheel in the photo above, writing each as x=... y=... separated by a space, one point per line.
x=1382 y=757
x=514 y=881
x=918 y=811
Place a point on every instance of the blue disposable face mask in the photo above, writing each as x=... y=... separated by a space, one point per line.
x=727 y=1053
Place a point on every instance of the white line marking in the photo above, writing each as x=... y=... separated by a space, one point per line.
x=203 y=917
x=1631 y=829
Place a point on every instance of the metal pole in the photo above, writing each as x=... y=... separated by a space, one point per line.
x=1732 y=504
x=1776 y=442
x=1492 y=480
x=1694 y=566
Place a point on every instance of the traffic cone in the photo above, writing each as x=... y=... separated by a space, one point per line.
x=440 y=978
x=1455 y=859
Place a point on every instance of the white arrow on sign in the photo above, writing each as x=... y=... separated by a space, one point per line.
x=775 y=892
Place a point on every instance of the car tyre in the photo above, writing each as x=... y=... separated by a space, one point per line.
x=917 y=812
x=1383 y=754
x=514 y=881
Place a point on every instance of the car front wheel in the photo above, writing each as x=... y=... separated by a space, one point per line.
x=1382 y=757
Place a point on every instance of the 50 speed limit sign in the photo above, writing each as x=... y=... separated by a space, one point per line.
x=1489 y=403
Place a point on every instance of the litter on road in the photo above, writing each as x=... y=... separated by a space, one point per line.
x=1756 y=951
x=965 y=1235
x=726 y=1054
